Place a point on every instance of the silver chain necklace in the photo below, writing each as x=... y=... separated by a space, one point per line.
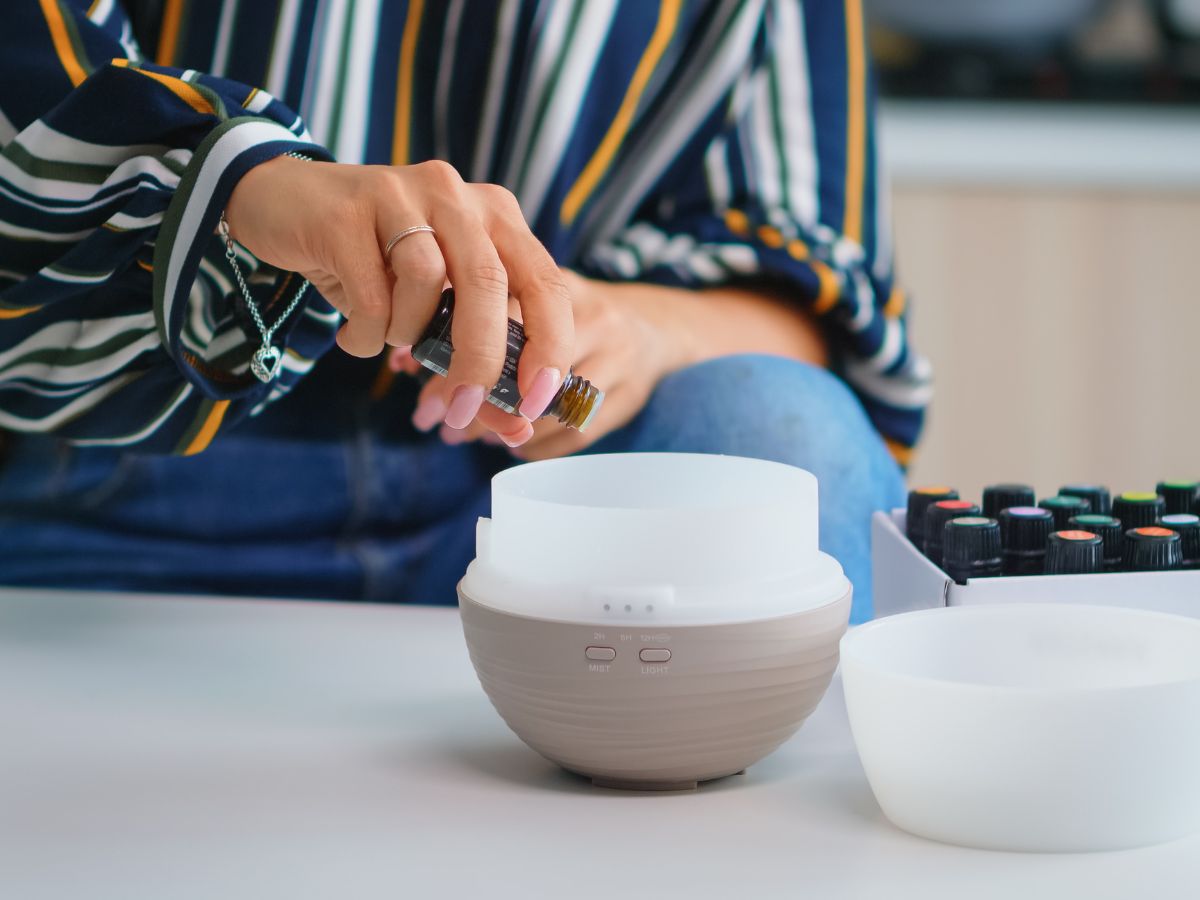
x=267 y=359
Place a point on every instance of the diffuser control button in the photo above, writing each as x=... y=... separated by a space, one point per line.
x=600 y=653
x=654 y=654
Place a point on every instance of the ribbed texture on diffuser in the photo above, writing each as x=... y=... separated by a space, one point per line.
x=730 y=695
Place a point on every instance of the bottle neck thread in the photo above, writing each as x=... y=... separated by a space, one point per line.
x=576 y=402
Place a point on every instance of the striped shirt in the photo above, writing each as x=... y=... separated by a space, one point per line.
x=684 y=142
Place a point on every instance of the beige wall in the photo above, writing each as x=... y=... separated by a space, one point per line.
x=1064 y=328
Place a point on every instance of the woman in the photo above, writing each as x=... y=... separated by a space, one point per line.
x=690 y=217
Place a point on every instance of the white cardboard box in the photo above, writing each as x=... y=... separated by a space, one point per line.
x=905 y=580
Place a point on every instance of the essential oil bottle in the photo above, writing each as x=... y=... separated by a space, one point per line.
x=575 y=404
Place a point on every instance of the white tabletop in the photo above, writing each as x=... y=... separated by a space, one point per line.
x=173 y=748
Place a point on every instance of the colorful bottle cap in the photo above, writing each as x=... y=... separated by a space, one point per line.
x=1074 y=552
x=971 y=548
x=1001 y=496
x=1152 y=549
x=1137 y=509
x=1187 y=526
x=1179 y=496
x=919 y=500
x=936 y=516
x=1096 y=495
x=1109 y=531
x=1023 y=534
x=1063 y=507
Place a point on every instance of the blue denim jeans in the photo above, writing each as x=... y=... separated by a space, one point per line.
x=320 y=498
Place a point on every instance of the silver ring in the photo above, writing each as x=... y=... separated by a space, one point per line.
x=399 y=236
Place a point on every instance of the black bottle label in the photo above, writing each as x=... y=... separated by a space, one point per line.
x=435 y=354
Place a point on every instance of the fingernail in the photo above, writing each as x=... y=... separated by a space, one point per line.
x=464 y=405
x=398 y=357
x=452 y=435
x=517 y=438
x=545 y=385
x=431 y=409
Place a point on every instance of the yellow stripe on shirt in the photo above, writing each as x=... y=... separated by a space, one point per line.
x=856 y=120
x=830 y=287
x=902 y=454
x=18 y=312
x=168 y=41
x=208 y=430
x=181 y=89
x=668 y=18
x=404 y=83
x=62 y=42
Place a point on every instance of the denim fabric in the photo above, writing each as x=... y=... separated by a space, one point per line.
x=320 y=498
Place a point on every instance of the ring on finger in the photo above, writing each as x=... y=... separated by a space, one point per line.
x=401 y=235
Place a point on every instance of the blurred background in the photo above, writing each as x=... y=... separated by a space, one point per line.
x=1045 y=160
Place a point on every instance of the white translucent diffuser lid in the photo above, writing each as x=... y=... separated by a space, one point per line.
x=653 y=537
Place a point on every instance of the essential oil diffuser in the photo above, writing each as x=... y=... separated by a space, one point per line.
x=653 y=620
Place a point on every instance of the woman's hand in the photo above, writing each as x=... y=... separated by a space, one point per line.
x=330 y=223
x=623 y=346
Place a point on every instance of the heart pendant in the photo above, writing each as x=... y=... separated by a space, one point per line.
x=266 y=362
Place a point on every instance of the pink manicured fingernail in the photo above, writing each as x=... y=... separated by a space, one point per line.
x=398 y=357
x=452 y=435
x=517 y=438
x=545 y=385
x=431 y=409
x=464 y=405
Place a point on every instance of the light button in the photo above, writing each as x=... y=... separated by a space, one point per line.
x=600 y=653
x=654 y=654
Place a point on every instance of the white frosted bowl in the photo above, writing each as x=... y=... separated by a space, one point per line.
x=653 y=620
x=1030 y=727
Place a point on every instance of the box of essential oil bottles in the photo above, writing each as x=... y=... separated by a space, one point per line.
x=1081 y=545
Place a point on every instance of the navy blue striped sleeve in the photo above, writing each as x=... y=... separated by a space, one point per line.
x=118 y=319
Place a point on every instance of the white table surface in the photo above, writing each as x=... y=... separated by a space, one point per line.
x=175 y=748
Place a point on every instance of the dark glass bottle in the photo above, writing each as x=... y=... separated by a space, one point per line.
x=1073 y=552
x=1110 y=532
x=1024 y=531
x=936 y=516
x=1096 y=495
x=1136 y=509
x=1178 y=496
x=575 y=404
x=971 y=548
x=1152 y=549
x=997 y=497
x=919 y=500
x=1187 y=526
x=1063 y=507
